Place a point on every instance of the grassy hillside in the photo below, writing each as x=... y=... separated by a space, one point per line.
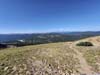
x=91 y=54
x=51 y=59
x=47 y=59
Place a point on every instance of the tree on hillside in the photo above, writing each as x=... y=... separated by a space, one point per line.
x=84 y=44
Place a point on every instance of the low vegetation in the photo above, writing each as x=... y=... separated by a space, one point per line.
x=84 y=44
x=93 y=58
x=47 y=59
x=51 y=59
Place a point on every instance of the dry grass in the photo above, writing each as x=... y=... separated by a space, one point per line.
x=91 y=54
x=47 y=59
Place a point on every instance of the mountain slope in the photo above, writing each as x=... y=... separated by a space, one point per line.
x=91 y=54
x=95 y=40
x=51 y=59
x=47 y=59
x=48 y=37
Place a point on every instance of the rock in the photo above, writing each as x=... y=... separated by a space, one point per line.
x=14 y=68
x=6 y=68
x=28 y=73
x=21 y=70
x=25 y=66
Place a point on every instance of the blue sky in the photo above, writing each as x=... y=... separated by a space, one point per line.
x=29 y=16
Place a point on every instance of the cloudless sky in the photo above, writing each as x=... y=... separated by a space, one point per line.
x=27 y=16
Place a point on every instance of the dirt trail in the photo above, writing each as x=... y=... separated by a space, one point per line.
x=85 y=68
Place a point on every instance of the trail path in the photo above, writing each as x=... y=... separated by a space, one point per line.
x=85 y=68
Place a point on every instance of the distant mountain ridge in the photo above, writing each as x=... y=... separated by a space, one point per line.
x=59 y=36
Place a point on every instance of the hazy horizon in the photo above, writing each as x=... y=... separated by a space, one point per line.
x=46 y=32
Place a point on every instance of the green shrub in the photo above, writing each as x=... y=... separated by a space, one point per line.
x=84 y=44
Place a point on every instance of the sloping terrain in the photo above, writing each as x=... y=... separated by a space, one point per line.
x=85 y=68
x=51 y=59
x=91 y=54
x=47 y=59
x=94 y=40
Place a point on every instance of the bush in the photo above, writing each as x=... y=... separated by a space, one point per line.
x=84 y=44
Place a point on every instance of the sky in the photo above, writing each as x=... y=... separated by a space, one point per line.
x=32 y=16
